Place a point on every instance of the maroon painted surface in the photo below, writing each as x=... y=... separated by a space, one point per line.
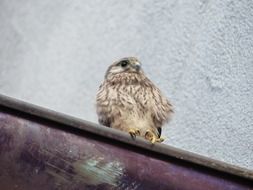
x=41 y=154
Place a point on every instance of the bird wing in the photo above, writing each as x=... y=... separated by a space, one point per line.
x=102 y=105
x=161 y=108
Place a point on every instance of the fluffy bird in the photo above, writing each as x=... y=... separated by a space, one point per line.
x=127 y=100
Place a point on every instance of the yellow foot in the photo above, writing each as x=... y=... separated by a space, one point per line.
x=134 y=132
x=151 y=136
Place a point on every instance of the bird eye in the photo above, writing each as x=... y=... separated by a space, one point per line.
x=123 y=63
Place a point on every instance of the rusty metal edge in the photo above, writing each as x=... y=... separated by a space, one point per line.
x=117 y=135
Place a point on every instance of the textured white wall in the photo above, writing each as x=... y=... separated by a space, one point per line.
x=199 y=52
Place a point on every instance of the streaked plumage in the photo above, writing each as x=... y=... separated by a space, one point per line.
x=129 y=101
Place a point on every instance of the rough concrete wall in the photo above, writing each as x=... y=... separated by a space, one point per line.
x=199 y=52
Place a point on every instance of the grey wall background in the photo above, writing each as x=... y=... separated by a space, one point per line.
x=199 y=52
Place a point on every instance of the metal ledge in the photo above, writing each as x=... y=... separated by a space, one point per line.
x=109 y=137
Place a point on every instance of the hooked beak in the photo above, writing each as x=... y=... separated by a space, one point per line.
x=137 y=66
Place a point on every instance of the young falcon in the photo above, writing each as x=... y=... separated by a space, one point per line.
x=129 y=101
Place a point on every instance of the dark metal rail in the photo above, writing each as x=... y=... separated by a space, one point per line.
x=43 y=149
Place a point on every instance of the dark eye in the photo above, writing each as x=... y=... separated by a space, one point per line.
x=123 y=63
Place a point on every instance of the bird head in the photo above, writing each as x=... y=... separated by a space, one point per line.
x=124 y=65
